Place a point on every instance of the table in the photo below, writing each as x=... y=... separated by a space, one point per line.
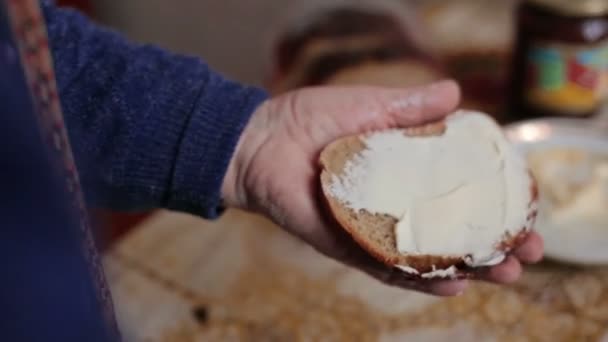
x=180 y=278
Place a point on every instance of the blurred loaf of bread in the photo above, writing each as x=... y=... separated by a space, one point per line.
x=348 y=44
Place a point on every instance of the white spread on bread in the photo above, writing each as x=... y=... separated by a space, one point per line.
x=449 y=272
x=407 y=269
x=456 y=194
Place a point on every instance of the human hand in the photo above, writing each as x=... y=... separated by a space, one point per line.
x=275 y=169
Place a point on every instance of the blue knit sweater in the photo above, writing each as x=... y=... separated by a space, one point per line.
x=148 y=129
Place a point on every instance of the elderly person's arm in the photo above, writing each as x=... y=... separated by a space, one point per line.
x=149 y=128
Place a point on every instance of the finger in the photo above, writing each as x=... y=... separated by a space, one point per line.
x=531 y=251
x=421 y=105
x=448 y=288
x=507 y=272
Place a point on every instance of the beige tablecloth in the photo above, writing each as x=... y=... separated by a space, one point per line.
x=179 y=278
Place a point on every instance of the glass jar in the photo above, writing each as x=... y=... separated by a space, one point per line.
x=560 y=62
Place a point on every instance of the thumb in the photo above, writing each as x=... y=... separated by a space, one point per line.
x=419 y=105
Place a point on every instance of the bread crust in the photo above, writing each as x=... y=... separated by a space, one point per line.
x=333 y=159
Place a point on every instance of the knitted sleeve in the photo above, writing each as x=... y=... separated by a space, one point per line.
x=149 y=128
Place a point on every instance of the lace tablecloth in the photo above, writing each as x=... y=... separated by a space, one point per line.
x=179 y=278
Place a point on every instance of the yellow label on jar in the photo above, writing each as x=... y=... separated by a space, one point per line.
x=567 y=78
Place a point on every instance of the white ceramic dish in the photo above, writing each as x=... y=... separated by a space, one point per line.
x=584 y=245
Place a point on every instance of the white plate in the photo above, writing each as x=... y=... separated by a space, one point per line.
x=579 y=245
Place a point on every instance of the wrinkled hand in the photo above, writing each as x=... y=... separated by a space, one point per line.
x=275 y=169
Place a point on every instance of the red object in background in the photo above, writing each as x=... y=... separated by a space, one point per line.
x=111 y=226
x=582 y=75
x=82 y=5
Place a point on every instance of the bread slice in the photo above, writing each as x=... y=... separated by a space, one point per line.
x=375 y=231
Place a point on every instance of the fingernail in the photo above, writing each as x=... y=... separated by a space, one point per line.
x=436 y=91
x=441 y=84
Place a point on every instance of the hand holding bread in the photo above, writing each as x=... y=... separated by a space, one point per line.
x=296 y=146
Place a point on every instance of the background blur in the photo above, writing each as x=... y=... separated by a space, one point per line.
x=229 y=34
x=236 y=36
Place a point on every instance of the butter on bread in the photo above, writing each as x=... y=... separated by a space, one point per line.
x=435 y=201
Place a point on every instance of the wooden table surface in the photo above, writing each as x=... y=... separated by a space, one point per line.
x=180 y=278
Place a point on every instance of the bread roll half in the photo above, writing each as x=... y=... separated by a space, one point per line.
x=436 y=201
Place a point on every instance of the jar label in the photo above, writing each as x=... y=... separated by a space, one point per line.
x=567 y=78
